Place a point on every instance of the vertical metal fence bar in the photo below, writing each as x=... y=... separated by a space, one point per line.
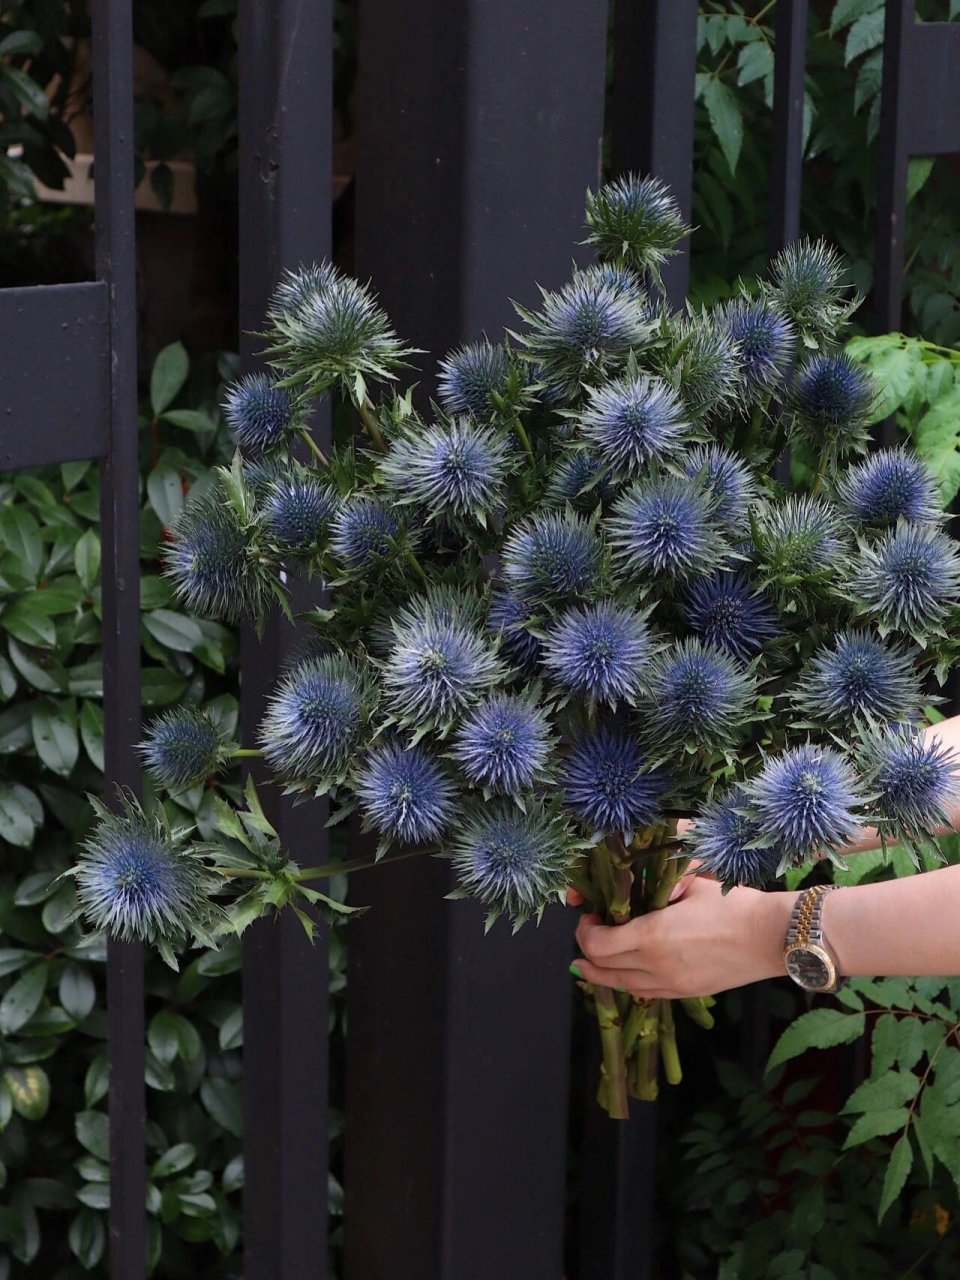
x=652 y=105
x=458 y=1044
x=790 y=51
x=286 y=99
x=119 y=531
x=892 y=158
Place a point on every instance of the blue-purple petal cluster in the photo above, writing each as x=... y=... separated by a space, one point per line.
x=458 y=467
x=182 y=748
x=726 y=840
x=806 y=800
x=508 y=617
x=609 y=784
x=259 y=413
x=765 y=341
x=890 y=485
x=471 y=376
x=363 y=531
x=728 y=480
x=437 y=668
x=665 y=525
x=405 y=794
x=552 y=557
x=504 y=743
x=296 y=511
x=600 y=651
x=314 y=718
x=908 y=579
x=633 y=420
x=698 y=696
x=916 y=781
x=859 y=675
x=727 y=611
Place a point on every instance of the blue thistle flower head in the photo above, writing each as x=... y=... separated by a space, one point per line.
x=405 y=794
x=457 y=468
x=632 y=421
x=635 y=221
x=723 y=839
x=800 y=537
x=727 y=611
x=512 y=860
x=765 y=340
x=209 y=561
x=699 y=696
x=609 y=785
x=299 y=289
x=260 y=414
x=182 y=748
x=806 y=281
x=552 y=556
x=890 y=485
x=915 y=781
x=504 y=743
x=262 y=472
x=619 y=277
x=859 y=675
x=830 y=393
x=586 y=329
x=664 y=525
x=296 y=512
x=314 y=720
x=729 y=481
x=436 y=669
x=806 y=799
x=138 y=878
x=508 y=617
x=582 y=480
x=907 y=580
x=471 y=375
x=363 y=532
x=705 y=364
x=599 y=650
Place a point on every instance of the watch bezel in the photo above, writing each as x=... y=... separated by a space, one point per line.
x=811 y=948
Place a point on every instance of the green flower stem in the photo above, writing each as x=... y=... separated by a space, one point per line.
x=369 y=420
x=243 y=873
x=314 y=448
x=670 y=874
x=697 y=1008
x=415 y=564
x=643 y=1074
x=821 y=468
x=356 y=864
x=524 y=439
x=668 y=1044
x=612 y=1094
x=247 y=753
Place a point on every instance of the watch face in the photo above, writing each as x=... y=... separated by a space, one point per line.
x=810 y=967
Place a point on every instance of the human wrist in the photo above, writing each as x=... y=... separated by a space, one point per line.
x=769 y=925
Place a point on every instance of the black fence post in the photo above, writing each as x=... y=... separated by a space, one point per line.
x=480 y=127
x=286 y=102
x=120 y=521
x=786 y=177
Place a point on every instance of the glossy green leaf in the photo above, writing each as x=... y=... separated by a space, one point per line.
x=168 y=375
x=22 y=999
x=86 y=558
x=55 y=736
x=93 y=1133
x=29 y=1090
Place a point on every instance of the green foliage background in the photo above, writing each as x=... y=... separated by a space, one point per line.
x=765 y=1181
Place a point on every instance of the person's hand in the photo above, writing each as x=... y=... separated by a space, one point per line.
x=701 y=943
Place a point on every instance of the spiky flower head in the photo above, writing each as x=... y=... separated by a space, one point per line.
x=798 y=538
x=907 y=580
x=729 y=481
x=139 y=878
x=582 y=480
x=600 y=651
x=296 y=512
x=504 y=743
x=513 y=860
x=890 y=485
x=182 y=748
x=727 y=611
x=552 y=556
x=765 y=341
x=633 y=420
x=665 y=525
x=260 y=473
x=405 y=793
x=806 y=280
x=724 y=839
x=831 y=399
x=609 y=785
x=314 y=720
x=805 y=800
x=915 y=780
x=508 y=617
x=298 y=290
x=699 y=697
x=584 y=330
x=858 y=675
x=212 y=565
x=436 y=669
x=635 y=221
x=335 y=332
x=619 y=277
x=470 y=376
x=704 y=363
x=455 y=468
x=363 y=532
x=260 y=414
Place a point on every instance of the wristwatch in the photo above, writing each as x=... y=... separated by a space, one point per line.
x=806 y=956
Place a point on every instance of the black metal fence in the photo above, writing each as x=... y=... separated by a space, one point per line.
x=480 y=125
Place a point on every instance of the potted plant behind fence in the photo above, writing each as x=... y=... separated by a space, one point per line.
x=577 y=634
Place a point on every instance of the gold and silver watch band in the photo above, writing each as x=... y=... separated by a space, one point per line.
x=805 y=920
x=806 y=956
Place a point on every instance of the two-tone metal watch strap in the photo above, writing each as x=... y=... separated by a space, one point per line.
x=805 y=919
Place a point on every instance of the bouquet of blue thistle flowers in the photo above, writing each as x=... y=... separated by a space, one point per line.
x=568 y=609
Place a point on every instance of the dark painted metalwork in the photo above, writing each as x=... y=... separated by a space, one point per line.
x=458 y=1044
x=893 y=155
x=64 y=328
x=120 y=547
x=286 y=102
x=790 y=50
x=652 y=105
